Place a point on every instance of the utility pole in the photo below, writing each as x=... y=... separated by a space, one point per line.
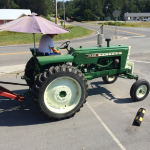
x=126 y=16
x=64 y=13
x=106 y=11
x=56 y=11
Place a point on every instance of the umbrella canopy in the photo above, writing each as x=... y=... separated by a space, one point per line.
x=34 y=24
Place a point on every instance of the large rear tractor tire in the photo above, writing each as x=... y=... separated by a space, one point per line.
x=60 y=92
x=139 y=90
x=109 y=79
x=29 y=72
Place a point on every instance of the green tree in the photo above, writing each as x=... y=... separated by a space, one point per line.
x=132 y=6
x=87 y=14
x=80 y=9
x=14 y=5
x=8 y=4
x=147 y=9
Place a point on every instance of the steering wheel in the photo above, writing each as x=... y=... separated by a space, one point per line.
x=65 y=45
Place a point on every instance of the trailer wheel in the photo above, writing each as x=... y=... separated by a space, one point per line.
x=109 y=79
x=29 y=72
x=139 y=90
x=60 y=92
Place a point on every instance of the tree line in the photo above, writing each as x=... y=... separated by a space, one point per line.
x=79 y=9
x=96 y=9
x=42 y=7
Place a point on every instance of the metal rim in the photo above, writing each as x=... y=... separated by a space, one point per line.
x=141 y=91
x=62 y=95
x=110 y=78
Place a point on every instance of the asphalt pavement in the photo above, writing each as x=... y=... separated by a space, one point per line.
x=105 y=121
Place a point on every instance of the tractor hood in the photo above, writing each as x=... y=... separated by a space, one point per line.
x=93 y=54
x=45 y=60
x=101 y=49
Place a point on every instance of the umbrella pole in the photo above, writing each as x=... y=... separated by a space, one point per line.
x=34 y=55
x=34 y=44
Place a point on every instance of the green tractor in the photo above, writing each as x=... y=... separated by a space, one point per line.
x=59 y=83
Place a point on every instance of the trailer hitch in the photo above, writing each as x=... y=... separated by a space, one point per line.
x=8 y=94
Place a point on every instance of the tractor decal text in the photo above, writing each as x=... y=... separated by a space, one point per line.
x=103 y=54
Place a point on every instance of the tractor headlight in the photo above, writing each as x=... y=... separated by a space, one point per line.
x=130 y=67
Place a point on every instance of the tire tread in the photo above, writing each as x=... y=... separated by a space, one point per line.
x=52 y=71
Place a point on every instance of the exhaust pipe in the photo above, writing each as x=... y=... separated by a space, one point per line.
x=100 y=37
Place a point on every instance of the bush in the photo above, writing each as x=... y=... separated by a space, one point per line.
x=79 y=18
x=119 y=24
x=46 y=17
x=94 y=17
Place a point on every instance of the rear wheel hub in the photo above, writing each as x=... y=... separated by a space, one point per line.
x=62 y=94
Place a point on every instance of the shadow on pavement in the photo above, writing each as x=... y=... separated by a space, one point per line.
x=15 y=113
x=98 y=90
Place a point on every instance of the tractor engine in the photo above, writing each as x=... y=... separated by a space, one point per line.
x=102 y=64
x=102 y=58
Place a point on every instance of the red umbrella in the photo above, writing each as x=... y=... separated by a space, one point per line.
x=33 y=24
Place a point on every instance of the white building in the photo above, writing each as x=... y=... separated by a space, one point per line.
x=136 y=16
x=7 y=15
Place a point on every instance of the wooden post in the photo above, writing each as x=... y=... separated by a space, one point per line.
x=56 y=11
x=64 y=13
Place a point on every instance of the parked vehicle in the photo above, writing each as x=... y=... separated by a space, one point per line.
x=148 y=19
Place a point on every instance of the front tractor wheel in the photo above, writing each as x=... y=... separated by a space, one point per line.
x=60 y=91
x=139 y=90
x=109 y=79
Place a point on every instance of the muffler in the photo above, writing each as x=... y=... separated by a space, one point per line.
x=100 y=37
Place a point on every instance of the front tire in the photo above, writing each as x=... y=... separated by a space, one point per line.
x=60 y=92
x=109 y=79
x=139 y=90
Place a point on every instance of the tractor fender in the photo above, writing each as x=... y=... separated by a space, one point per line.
x=45 y=60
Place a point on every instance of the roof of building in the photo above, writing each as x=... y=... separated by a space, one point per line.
x=137 y=14
x=12 y=14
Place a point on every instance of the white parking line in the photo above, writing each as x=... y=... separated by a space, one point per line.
x=141 y=61
x=107 y=129
x=10 y=69
x=129 y=37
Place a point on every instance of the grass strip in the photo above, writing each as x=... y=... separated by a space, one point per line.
x=16 y=38
x=133 y=24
